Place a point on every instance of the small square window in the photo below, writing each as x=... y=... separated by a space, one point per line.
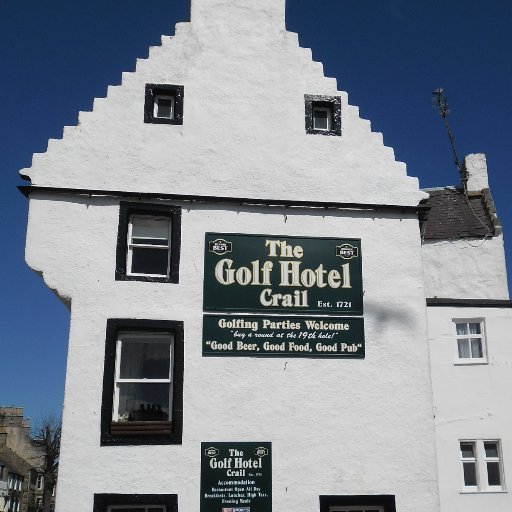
x=322 y=118
x=163 y=104
x=482 y=467
x=470 y=338
x=148 y=243
x=323 y=114
x=135 y=503
x=142 y=383
x=164 y=107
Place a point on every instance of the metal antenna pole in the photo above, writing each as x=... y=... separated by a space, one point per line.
x=441 y=103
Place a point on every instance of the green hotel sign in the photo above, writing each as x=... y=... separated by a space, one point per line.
x=236 y=477
x=279 y=336
x=279 y=274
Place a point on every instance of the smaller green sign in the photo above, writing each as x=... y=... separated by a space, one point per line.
x=236 y=477
x=283 y=336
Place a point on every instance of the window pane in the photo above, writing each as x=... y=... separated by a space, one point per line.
x=320 y=119
x=491 y=449
x=143 y=402
x=469 y=474
x=463 y=348
x=150 y=261
x=493 y=473
x=476 y=347
x=467 y=450
x=474 y=328
x=165 y=107
x=147 y=227
x=462 y=329
x=148 y=360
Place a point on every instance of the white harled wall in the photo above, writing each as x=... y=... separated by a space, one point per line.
x=336 y=426
x=465 y=268
x=471 y=402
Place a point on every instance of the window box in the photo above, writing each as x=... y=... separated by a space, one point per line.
x=362 y=503
x=135 y=503
x=323 y=114
x=482 y=467
x=471 y=347
x=148 y=243
x=163 y=104
x=142 y=383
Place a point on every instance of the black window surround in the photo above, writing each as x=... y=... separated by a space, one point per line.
x=154 y=90
x=126 y=210
x=332 y=104
x=154 y=437
x=103 y=501
x=386 y=501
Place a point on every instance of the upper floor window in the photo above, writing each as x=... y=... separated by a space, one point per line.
x=143 y=382
x=470 y=341
x=323 y=114
x=482 y=466
x=163 y=104
x=148 y=243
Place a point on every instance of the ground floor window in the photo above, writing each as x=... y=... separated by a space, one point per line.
x=357 y=503
x=482 y=466
x=143 y=382
x=357 y=508
x=135 y=503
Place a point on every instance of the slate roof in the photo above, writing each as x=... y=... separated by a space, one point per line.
x=454 y=215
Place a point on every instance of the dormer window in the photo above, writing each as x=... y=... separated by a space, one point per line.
x=323 y=114
x=163 y=104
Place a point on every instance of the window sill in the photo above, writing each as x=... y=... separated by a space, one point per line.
x=477 y=362
x=484 y=492
x=140 y=428
x=146 y=278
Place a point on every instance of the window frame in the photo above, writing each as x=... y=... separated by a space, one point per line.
x=106 y=502
x=124 y=338
x=333 y=503
x=111 y=432
x=128 y=210
x=480 y=461
x=156 y=105
x=131 y=245
x=329 y=103
x=152 y=92
x=461 y=337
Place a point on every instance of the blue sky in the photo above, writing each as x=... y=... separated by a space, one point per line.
x=56 y=56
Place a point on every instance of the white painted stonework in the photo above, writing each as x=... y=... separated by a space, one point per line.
x=476 y=167
x=465 y=268
x=471 y=402
x=337 y=427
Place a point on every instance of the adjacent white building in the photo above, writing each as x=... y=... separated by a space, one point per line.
x=266 y=311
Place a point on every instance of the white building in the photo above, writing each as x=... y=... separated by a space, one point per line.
x=226 y=200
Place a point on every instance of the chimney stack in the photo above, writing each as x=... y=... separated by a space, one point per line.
x=476 y=168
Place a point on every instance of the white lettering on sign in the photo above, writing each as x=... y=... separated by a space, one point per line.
x=291 y=274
